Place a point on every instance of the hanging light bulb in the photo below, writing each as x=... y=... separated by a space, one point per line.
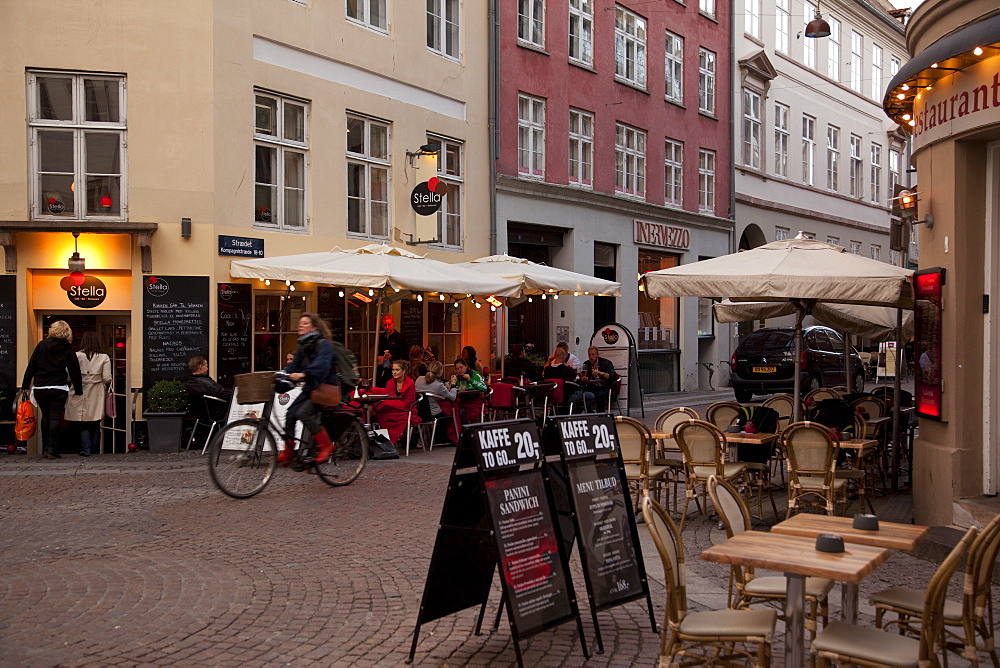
x=478 y=305
x=267 y=281
x=576 y=294
x=543 y=296
x=978 y=51
x=291 y=288
x=441 y=296
x=341 y=293
x=420 y=298
x=288 y=283
x=396 y=289
x=529 y=300
x=555 y=296
x=455 y=304
x=371 y=293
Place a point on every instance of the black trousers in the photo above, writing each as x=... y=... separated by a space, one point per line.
x=53 y=405
x=302 y=410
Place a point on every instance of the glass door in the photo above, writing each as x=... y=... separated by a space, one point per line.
x=114 y=341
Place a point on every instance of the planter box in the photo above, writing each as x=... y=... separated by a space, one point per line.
x=165 y=431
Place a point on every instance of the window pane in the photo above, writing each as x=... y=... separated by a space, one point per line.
x=380 y=185
x=102 y=153
x=453 y=162
x=380 y=220
x=265 y=172
x=103 y=195
x=57 y=194
x=55 y=98
x=264 y=197
x=379 y=144
x=265 y=189
x=356 y=185
x=355 y=135
x=295 y=201
x=101 y=98
x=376 y=14
x=55 y=151
x=266 y=116
x=295 y=122
x=294 y=170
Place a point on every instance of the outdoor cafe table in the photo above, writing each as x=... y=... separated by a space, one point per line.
x=797 y=558
x=369 y=400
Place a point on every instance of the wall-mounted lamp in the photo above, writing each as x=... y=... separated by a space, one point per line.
x=818 y=27
x=77 y=263
x=426 y=149
x=907 y=201
x=185 y=228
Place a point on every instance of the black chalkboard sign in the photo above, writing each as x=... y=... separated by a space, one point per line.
x=589 y=485
x=411 y=322
x=175 y=325
x=332 y=309
x=498 y=515
x=8 y=345
x=233 y=345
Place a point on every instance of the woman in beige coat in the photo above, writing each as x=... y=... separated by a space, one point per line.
x=87 y=410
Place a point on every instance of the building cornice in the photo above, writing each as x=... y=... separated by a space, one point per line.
x=769 y=205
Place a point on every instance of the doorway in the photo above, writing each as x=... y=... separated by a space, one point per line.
x=529 y=320
x=112 y=328
x=991 y=328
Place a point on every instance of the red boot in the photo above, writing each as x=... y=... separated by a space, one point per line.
x=325 y=446
x=286 y=455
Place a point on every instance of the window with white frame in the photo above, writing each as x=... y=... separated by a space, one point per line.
x=530 y=136
x=77 y=130
x=706 y=81
x=630 y=161
x=781 y=233
x=581 y=31
x=780 y=139
x=876 y=174
x=450 y=173
x=368 y=158
x=808 y=150
x=894 y=159
x=630 y=47
x=581 y=148
x=706 y=180
x=751 y=128
x=443 y=22
x=280 y=157
x=832 y=157
x=531 y=22
x=893 y=66
x=876 y=252
x=807 y=235
x=894 y=257
x=673 y=173
x=856 y=247
x=857 y=174
x=833 y=240
x=833 y=50
x=751 y=18
x=782 y=25
x=876 y=72
x=674 y=68
x=372 y=14
x=857 y=61
x=707 y=7
x=809 y=45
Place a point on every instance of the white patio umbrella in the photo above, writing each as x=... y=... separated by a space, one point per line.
x=802 y=272
x=877 y=323
x=539 y=279
x=377 y=267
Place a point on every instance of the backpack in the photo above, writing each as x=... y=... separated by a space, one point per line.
x=834 y=414
x=347 y=365
x=764 y=418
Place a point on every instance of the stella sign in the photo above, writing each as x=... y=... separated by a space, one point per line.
x=84 y=291
x=426 y=197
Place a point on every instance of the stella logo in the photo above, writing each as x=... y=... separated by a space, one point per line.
x=84 y=291
x=226 y=291
x=157 y=287
x=610 y=336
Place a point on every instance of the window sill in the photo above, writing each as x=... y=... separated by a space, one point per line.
x=583 y=66
x=631 y=84
x=710 y=17
x=532 y=47
x=275 y=228
x=708 y=114
x=678 y=104
x=368 y=26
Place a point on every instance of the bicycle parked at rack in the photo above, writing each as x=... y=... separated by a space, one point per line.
x=243 y=456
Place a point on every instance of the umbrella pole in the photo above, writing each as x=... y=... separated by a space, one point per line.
x=847 y=362
x=378 y=325
x=896 y=397
x=502 y=337
x=797 y=382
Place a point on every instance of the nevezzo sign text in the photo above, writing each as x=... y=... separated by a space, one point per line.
x=658 y=234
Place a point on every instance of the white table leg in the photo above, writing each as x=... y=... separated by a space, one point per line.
x=849 y=602
x=795 y=603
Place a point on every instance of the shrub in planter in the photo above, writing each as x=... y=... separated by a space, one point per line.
x=165 y=404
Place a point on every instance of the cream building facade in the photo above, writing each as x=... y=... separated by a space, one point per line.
x=169 y=134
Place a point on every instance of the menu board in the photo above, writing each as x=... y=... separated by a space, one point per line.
x=507 y=445
x=175 y=325
x=928 y=284
x=8 y=345
x=332 y=309
x=233 y=346
x=411 y=321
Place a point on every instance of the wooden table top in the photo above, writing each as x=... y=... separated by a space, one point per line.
x=876 y=422
x=890 y=534
x=742 y=437
x=857 y=443
x=793 y=554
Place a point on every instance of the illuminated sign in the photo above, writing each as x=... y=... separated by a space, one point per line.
x=927 y=284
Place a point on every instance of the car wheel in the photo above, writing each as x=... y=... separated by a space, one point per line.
x=859 y=381
x=743 y=395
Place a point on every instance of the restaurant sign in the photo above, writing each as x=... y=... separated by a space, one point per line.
x=658 y=234
x=927 y=347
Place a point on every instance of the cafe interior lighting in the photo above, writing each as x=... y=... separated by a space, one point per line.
x=267 y=281
x=371 y=293
x=420 y=298
x=441 y=296
x=341 y=293
x=978 y=51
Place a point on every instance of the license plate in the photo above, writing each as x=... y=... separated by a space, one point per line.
x=765 y=369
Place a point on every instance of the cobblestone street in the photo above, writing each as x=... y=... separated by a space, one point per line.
x=138 y=559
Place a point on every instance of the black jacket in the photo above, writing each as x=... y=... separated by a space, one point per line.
x=201 y=384
x=53 y=362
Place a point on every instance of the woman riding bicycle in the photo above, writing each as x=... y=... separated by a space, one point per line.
x=314 y=363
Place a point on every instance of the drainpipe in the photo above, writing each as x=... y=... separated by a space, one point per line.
x=733 y=240
x=493 y=102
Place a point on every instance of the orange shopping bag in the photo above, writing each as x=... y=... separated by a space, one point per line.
x=25 y=425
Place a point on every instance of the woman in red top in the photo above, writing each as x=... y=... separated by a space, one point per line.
x=396 y=412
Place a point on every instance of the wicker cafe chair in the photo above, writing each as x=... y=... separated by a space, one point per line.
x=770 y=589
x=862 y=475
x=664 y=424
x=972 y=617
x=812 y=461
x=819 y=394
x=722 y=413
x=636 y=444
x=703 y=446
x=715 y=637
x=785 y=405
x=842 y=642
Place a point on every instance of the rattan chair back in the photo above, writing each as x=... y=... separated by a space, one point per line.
x=667 y=539
x=668 y=419
x=873 y=406
x=809 y=448
x=634 y=440
x=932 y=623
x=785 y=405
x=722 y=413
x=701 y=444
x=819 y=394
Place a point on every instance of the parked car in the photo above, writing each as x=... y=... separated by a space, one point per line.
x=764 y=362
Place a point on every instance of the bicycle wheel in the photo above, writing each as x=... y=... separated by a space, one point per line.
x=350 y=454
x=242 y=458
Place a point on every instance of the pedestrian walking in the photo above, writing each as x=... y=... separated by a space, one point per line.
x=52 y=368
x=87 y=410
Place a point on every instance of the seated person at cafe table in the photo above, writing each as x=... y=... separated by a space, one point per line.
x=431 y=384
x=517 y=366
x=396 y=411
x=601 y=377
x=572 y=360
x=467 y=380
x=559 y=369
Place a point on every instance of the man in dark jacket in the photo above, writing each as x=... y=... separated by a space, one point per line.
x=601 y=375
x=201 y=384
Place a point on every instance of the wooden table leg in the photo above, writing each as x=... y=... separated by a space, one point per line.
x=795 y=603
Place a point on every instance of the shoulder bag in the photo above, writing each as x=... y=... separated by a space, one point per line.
x=327 y=394
x=110 y=405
